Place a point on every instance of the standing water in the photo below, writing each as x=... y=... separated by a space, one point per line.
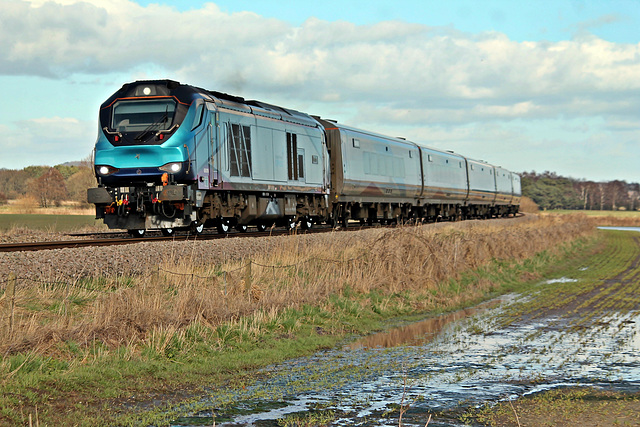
x=440 y=367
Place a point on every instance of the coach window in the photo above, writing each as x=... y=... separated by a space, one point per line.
x=356 y=143
x=430 y=158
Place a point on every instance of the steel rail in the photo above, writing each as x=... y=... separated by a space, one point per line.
x=111 y=241
x=83 y=243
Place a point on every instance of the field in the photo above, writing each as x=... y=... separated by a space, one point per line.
x=606 y=218
x=66 y=218
x=115 y=343
x=49 y=222
x=614 y=214
x=589 y=318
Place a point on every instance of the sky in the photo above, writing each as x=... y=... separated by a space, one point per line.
x=547 y=85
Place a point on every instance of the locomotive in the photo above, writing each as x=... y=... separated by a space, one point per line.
x=171 y=156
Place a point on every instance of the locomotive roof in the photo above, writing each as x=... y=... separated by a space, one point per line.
x=187 y=94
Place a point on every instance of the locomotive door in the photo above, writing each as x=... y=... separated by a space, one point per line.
x=202 y=146
x=214 y=154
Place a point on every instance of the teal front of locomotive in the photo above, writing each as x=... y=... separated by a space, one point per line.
x=149 y=156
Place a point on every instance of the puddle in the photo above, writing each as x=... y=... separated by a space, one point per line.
x=560 y=280
x=440 y=366
x=620 y=228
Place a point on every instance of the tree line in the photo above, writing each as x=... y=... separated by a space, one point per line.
x=48 y=186
x=551 y=191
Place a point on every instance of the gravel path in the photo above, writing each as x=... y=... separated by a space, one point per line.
x=139 y=258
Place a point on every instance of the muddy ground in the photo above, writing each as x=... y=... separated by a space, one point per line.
x=565 y=351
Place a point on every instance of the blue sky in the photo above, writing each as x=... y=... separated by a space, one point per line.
x=547 y=85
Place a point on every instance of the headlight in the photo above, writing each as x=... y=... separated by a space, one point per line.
x=104 y=170
x=171 y=167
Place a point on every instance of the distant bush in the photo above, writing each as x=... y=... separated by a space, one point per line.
x=3 y=198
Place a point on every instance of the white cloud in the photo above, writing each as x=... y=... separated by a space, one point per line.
x=410 y=79
x=52 y=140
x=424 y=67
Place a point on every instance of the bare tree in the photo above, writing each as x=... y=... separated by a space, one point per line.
x=49 y=189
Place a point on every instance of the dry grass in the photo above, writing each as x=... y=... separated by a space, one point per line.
x=607 y=218
x=157 y=309
x=529 y=206
x=29 y=205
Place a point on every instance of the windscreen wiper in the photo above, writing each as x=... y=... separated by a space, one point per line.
x=144 y=136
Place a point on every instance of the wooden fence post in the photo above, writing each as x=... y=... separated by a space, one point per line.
x=11 y=300
x=247 y=279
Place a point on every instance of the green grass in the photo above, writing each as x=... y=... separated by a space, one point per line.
x=61 y=223
x=98 y=386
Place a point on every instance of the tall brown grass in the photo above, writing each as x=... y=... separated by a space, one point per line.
x=182 y=294
x=527 y=205
x=23 y=205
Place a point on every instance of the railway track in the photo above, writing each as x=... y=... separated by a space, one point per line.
x=108 y=239
x=115 y=238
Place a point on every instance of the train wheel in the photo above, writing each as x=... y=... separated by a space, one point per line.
x=344 y=222
x=197 y=228
x=223 y=226
x=241 y=228
x=306 y=223
x=167 y=232
x=291 y=223
x=262 y=227
x=137 y=233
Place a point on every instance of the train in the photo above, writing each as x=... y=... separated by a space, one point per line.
x=171 y=156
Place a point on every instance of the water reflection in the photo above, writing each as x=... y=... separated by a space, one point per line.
x=421 y=332
x=443 y=365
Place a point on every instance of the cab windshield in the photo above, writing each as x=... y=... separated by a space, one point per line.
x=143 y=115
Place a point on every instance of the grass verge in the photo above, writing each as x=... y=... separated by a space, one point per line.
x=125 y=351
